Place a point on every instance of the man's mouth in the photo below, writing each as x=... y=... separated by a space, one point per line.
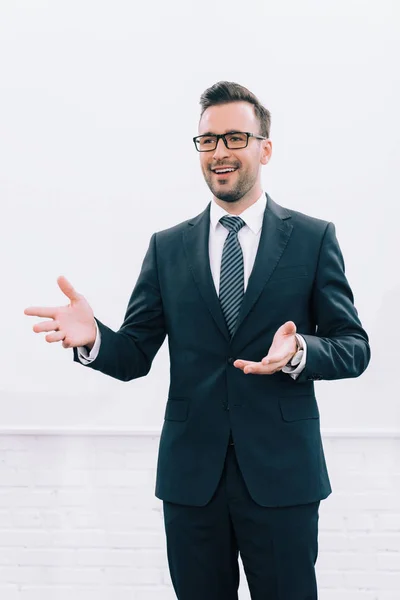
x=224 y=171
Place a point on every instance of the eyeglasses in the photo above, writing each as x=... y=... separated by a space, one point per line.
x=234 y=140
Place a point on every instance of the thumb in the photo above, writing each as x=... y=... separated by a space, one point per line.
x=288 y=328
x=67 y=288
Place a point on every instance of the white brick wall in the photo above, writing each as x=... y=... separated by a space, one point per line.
x=78 y=517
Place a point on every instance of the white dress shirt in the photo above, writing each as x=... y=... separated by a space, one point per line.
x=249 y=238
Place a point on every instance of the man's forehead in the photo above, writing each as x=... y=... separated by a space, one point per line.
x=230 y=130
x=223 y=118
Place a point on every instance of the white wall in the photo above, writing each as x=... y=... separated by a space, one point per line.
x=88 y=92
x=78 y=518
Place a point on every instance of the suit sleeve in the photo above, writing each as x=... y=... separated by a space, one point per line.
x=129 y=352
x=339 y=348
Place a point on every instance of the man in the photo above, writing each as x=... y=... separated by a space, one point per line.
x=256 y=306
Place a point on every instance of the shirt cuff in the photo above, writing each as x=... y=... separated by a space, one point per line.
x=298 y=362
x=87 y=357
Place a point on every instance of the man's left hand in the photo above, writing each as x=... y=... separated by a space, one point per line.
x=282 y=350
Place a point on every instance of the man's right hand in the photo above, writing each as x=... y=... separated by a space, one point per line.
x=73 y=324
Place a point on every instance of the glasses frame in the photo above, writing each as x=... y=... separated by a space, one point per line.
x=223 y=137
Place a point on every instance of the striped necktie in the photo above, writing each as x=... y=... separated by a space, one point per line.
x=231 y=286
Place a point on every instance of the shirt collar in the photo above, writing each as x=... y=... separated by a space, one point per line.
x=252 y=216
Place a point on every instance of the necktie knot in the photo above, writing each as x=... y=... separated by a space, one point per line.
x=232 y=223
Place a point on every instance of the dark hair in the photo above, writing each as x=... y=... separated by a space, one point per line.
x=225 y=92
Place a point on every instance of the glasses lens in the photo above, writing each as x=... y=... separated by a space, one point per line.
x=236 y=140
x=206 y=142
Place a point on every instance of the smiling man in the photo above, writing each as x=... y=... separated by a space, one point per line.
x=256 y=306
x=233 y=169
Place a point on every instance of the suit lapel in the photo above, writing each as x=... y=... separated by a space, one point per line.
x=195 y=238
x=275 y=234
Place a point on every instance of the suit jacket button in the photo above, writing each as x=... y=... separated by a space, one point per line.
x=231 y=360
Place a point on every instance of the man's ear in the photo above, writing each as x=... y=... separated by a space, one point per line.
x=267 y=152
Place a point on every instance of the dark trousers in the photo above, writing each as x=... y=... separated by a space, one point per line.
x=278 y=546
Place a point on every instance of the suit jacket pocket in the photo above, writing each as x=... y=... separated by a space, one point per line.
x=176 y=409
x=298 y=408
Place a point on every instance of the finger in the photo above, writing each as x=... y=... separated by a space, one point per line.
x=256 y=369
x=244 y=365
x=67 y=288
x=66 y=344
x=57 y=336
x=275 y=358
x=240 y=363
x=260 y=369
x=249 y=366
x=41 y=311
x=288 y=328
x=46 y=326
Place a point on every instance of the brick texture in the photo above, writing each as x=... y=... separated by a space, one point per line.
x=78 y=519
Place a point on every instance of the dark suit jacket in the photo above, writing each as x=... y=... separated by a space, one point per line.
x=298 y=275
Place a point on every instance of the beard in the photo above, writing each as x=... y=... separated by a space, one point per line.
x=231 y=192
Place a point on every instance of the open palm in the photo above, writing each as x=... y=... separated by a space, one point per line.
x=73 y=324
x=282 y=349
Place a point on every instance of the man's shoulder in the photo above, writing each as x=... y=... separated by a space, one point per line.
x=305 y=221
x=176 y=230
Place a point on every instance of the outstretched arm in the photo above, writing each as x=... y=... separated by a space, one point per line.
x=129 y=352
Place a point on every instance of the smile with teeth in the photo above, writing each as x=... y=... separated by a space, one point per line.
x=226 y=170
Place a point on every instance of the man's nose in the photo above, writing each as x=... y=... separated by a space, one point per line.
x=221 y=150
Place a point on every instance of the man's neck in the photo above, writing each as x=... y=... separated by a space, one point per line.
x=236 y=208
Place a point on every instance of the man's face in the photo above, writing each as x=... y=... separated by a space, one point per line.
x=235 y=116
